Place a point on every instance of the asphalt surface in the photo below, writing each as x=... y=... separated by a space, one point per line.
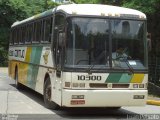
x=28 y=105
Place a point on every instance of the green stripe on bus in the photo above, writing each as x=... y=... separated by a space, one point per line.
x=33 y=70
x=36 y=56
x=114 y=77
x=125 y=78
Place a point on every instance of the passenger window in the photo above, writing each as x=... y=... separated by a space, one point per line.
x=20 y=36
x=37 y=32
x=59 y=20
x=30 y=31
x=11 y=38
x=47 y=30
x=24 y=34
x=15 y=36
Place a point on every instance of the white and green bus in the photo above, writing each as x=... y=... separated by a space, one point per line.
x=82 y=55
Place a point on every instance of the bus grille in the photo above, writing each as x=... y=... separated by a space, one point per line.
x=103 y=85
x=98 y=85
x=120 y=85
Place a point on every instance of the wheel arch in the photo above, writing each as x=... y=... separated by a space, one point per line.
x=16 y=70
x=45 y=78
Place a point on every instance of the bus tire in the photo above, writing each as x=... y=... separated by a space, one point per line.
x=47 y=95
x=18 y=85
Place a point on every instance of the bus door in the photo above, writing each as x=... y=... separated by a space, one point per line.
x=59 y=38
x=58 y=80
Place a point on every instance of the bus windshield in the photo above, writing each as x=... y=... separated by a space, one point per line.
x=105 y=43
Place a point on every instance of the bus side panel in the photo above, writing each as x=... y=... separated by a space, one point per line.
x=23 y=69
x=32 y=63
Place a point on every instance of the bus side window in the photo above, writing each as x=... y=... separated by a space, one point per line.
x=59 y=25
x=47 y=30
x=20 y=35
x=38 y=32
x=58 y=38
x=11 y=37
x=30 y=31
x=16 y=36
x=59 y=20
x=24 y=32
x=27 y=34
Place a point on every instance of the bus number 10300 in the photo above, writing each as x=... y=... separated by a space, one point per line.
x=93 y=78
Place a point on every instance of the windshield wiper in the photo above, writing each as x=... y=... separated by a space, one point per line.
x=90 y=68
x=129 y=66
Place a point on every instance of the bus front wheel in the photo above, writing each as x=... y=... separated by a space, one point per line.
x=47 y=95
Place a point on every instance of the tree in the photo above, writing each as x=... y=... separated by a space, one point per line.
x=10 y=11
x=146 y=6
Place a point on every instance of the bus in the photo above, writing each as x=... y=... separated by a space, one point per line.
x=82 y=55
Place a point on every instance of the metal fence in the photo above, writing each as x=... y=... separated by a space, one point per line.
x=154 y=70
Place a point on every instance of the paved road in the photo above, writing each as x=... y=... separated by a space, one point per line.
x=28 y=105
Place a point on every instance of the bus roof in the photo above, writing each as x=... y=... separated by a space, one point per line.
x=89 y=9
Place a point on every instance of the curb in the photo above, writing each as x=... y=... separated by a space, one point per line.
x=153 y=102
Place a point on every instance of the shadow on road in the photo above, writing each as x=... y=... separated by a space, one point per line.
x=77 y=113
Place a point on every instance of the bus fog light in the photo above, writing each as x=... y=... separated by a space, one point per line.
x=67 y=84
x=77 y=96
x=135 y=85
x=82 y=85
x=141 y=85
x=75 y=84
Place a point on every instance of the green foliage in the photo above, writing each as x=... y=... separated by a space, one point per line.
x=51 y=4
x=108 y=2
x=35 y=6
x=146 y=6
x=10 y=11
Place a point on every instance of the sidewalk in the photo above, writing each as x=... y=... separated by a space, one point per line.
x=4 y=70
x=153 y=100
x=154 y=95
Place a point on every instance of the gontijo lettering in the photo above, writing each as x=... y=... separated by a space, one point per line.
x=17 y=53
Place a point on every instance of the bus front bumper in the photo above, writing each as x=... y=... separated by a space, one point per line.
x=103 y=98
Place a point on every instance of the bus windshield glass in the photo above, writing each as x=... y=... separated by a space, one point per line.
x=104 y=43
